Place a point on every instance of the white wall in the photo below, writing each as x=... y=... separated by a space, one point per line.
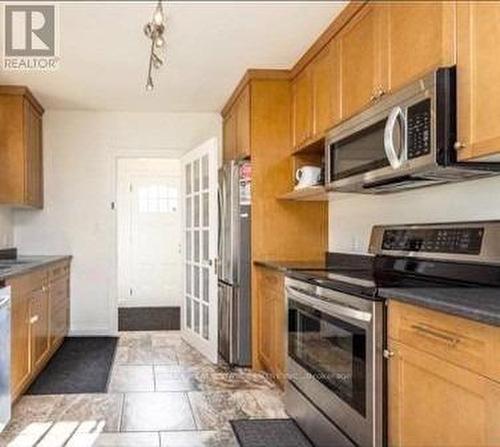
x=351 y=218
x=6 y=228
x=80 y=150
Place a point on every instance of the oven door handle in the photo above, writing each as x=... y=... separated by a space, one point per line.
x=333 y=309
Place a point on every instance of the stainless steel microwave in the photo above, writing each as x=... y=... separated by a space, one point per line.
x=404 y=141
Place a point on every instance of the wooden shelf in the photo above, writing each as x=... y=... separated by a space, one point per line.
x=316 y=147
x=307 y=194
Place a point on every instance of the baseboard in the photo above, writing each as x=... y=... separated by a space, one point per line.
x=149 y=319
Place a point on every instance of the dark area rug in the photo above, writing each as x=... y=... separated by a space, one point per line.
x=269 y=433
x=149 y=318
x=81 y=365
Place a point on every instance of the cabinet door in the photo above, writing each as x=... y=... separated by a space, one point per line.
x=267 y=323
x=20 y=340
x=478 y=65
x=420 y=36
x=326 y=89
x=59 y=309
x=432 y=402
x=243 y=124
x=302 y=107
x=229 y=137
x=360 y=54
x=39 y=320
x=34 y=157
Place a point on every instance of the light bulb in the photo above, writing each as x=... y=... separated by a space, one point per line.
x=160 y=41
x=158 y=15
x=149 y=84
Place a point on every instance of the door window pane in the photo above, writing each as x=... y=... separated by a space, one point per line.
x=188 y=312
x=205 y=245
x=188 y=179
x=196 y=175
x=196 y=282
x=196 y=210
x=188 y=278
x=205 y=274
x=204 y=322
x=196 y=246
x=189 y=247
x=204 y=171
x=205 y=210
x=196 y=311
x=189 y=212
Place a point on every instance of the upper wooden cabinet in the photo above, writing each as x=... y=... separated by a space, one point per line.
x=236 y=128
x=316 y=97
x=302 y=108
x=478 y=65
x=360 y=59
x=21 y=155
x=417 y=38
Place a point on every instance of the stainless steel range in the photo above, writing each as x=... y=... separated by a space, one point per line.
x=335 y=345
x=336 y=321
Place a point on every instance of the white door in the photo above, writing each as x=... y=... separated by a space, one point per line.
x=149 y=233
x=200 y=233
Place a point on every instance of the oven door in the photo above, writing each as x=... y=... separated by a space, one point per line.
x=334 y=358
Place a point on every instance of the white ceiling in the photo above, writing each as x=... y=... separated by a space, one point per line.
x=104 y=53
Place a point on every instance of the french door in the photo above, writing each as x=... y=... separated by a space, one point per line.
x=199 y=316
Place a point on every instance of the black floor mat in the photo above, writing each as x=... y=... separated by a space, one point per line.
x=81 y=365
x=149 y=318
x=269 y=433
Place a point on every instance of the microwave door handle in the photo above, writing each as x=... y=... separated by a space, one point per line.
x=390 y=150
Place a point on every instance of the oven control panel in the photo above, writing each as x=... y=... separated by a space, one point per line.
x=434 y=240
x=419 y=129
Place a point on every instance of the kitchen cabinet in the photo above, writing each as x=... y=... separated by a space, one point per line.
x=236 y=128
x=418 y=37
x=21 y=152
x=272 y=325
x=444 y=387
x=302 y=108
x=39 y=321
x=478 y=72
x=326 y=89
x=360 y=59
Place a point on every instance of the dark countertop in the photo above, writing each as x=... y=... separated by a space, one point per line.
x=478 y=304
x=25 y=264
x=286 y=266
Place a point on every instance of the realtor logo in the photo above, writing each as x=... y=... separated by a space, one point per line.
x=31 y=37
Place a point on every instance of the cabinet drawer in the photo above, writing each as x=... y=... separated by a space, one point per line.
x=28 y=282
x=59 y=270
x=456 y=340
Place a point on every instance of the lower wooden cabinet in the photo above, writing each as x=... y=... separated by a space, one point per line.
x=434 y=398
x=271 y=322
x=39 y=321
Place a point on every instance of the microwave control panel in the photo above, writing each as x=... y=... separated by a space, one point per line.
x=419 y=129
x=435 y=240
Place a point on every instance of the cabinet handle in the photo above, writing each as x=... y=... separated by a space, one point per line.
x=380 y=92
x=34 y=319
x=459 y=145
x=436 y=334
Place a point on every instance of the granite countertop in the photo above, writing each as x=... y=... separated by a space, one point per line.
x=478 y=304
x=286 y=266
x=25 y=264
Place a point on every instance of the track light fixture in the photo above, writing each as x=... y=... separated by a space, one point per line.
x=154 y=30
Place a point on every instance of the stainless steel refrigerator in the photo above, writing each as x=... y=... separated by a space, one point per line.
x=234 y=263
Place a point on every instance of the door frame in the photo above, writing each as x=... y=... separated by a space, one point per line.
x=115 y=154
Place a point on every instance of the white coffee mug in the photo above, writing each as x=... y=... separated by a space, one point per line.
x=307 y=176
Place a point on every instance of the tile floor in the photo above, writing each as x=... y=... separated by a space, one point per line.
x=162 y=393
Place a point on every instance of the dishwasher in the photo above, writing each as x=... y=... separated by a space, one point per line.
x=5 y=398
